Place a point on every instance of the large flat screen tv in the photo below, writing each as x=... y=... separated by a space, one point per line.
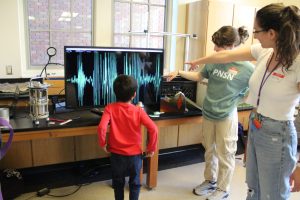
x=90 y=72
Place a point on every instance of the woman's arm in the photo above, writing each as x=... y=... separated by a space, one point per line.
x=226 y=56
x=295 y=179
x=193 y=76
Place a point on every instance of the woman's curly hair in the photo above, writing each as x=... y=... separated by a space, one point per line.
x=228 y=36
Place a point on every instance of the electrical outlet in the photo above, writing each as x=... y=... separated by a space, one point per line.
x=9 y=70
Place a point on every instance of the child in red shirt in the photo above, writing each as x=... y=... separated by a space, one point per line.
x=125 y=137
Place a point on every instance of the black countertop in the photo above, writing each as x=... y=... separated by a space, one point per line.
x=23 y=122
x=80 y=118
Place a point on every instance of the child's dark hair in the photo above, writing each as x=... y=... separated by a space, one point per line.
x=228 y=36
x=124 y=87
x=285 y=20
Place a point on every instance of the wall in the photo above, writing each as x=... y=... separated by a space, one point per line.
x=9 y=40
x=180 y=41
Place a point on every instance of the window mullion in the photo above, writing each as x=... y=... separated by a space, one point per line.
x=40 y=36
x=148 y=26
x=131 y=16
x=49 y=22
x=138 y=9
x=71 y=13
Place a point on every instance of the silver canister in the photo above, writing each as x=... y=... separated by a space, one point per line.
x=4 y=113
x=38 y=100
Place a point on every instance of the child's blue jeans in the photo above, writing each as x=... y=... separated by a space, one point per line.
x=123 y=166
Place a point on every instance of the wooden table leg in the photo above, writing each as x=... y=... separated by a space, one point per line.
x=141 y=172
x=152 y=171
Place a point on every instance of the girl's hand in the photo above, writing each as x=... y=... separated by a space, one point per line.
x=171 y=76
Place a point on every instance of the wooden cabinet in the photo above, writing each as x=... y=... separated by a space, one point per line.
x=19 y=155
x=168 y=137
x=45 y=147
x=87 y=147
x=206 y=16
x=244 y=119
x=57 y=86
x=190 y=134
x=52 y=151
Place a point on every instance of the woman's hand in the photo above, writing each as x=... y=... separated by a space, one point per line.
x=193 y=65
x=171 y=75
x=295 y=180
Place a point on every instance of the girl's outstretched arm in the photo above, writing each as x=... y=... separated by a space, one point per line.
x=226 y=56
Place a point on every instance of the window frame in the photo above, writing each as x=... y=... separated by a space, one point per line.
x=72 y=30
x=131 y=35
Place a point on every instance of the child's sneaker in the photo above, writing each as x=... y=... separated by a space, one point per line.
x=218 y=194
x=205 y=188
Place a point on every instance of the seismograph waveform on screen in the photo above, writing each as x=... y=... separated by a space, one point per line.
x=137 y=67
x=105 y=70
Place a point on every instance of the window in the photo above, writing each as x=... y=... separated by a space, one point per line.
x=57 y=23
x=133 y=17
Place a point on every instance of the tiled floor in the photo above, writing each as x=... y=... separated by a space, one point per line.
x=173 y=184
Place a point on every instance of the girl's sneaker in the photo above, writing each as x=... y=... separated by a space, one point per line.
x=205 y=188
x=218 y=194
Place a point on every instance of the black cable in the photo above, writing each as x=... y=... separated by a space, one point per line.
x=44 y=69
x=64 y=195
x=77 y=189
x=49 y=58
x=79 y=185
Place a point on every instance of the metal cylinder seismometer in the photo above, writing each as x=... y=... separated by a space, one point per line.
x=38 y=100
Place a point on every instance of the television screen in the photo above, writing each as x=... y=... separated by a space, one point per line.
x=90 y=72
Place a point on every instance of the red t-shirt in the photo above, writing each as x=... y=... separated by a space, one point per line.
x=125 y=136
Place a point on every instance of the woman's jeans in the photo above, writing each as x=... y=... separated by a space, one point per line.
x=271 y=158
x=123 y=166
